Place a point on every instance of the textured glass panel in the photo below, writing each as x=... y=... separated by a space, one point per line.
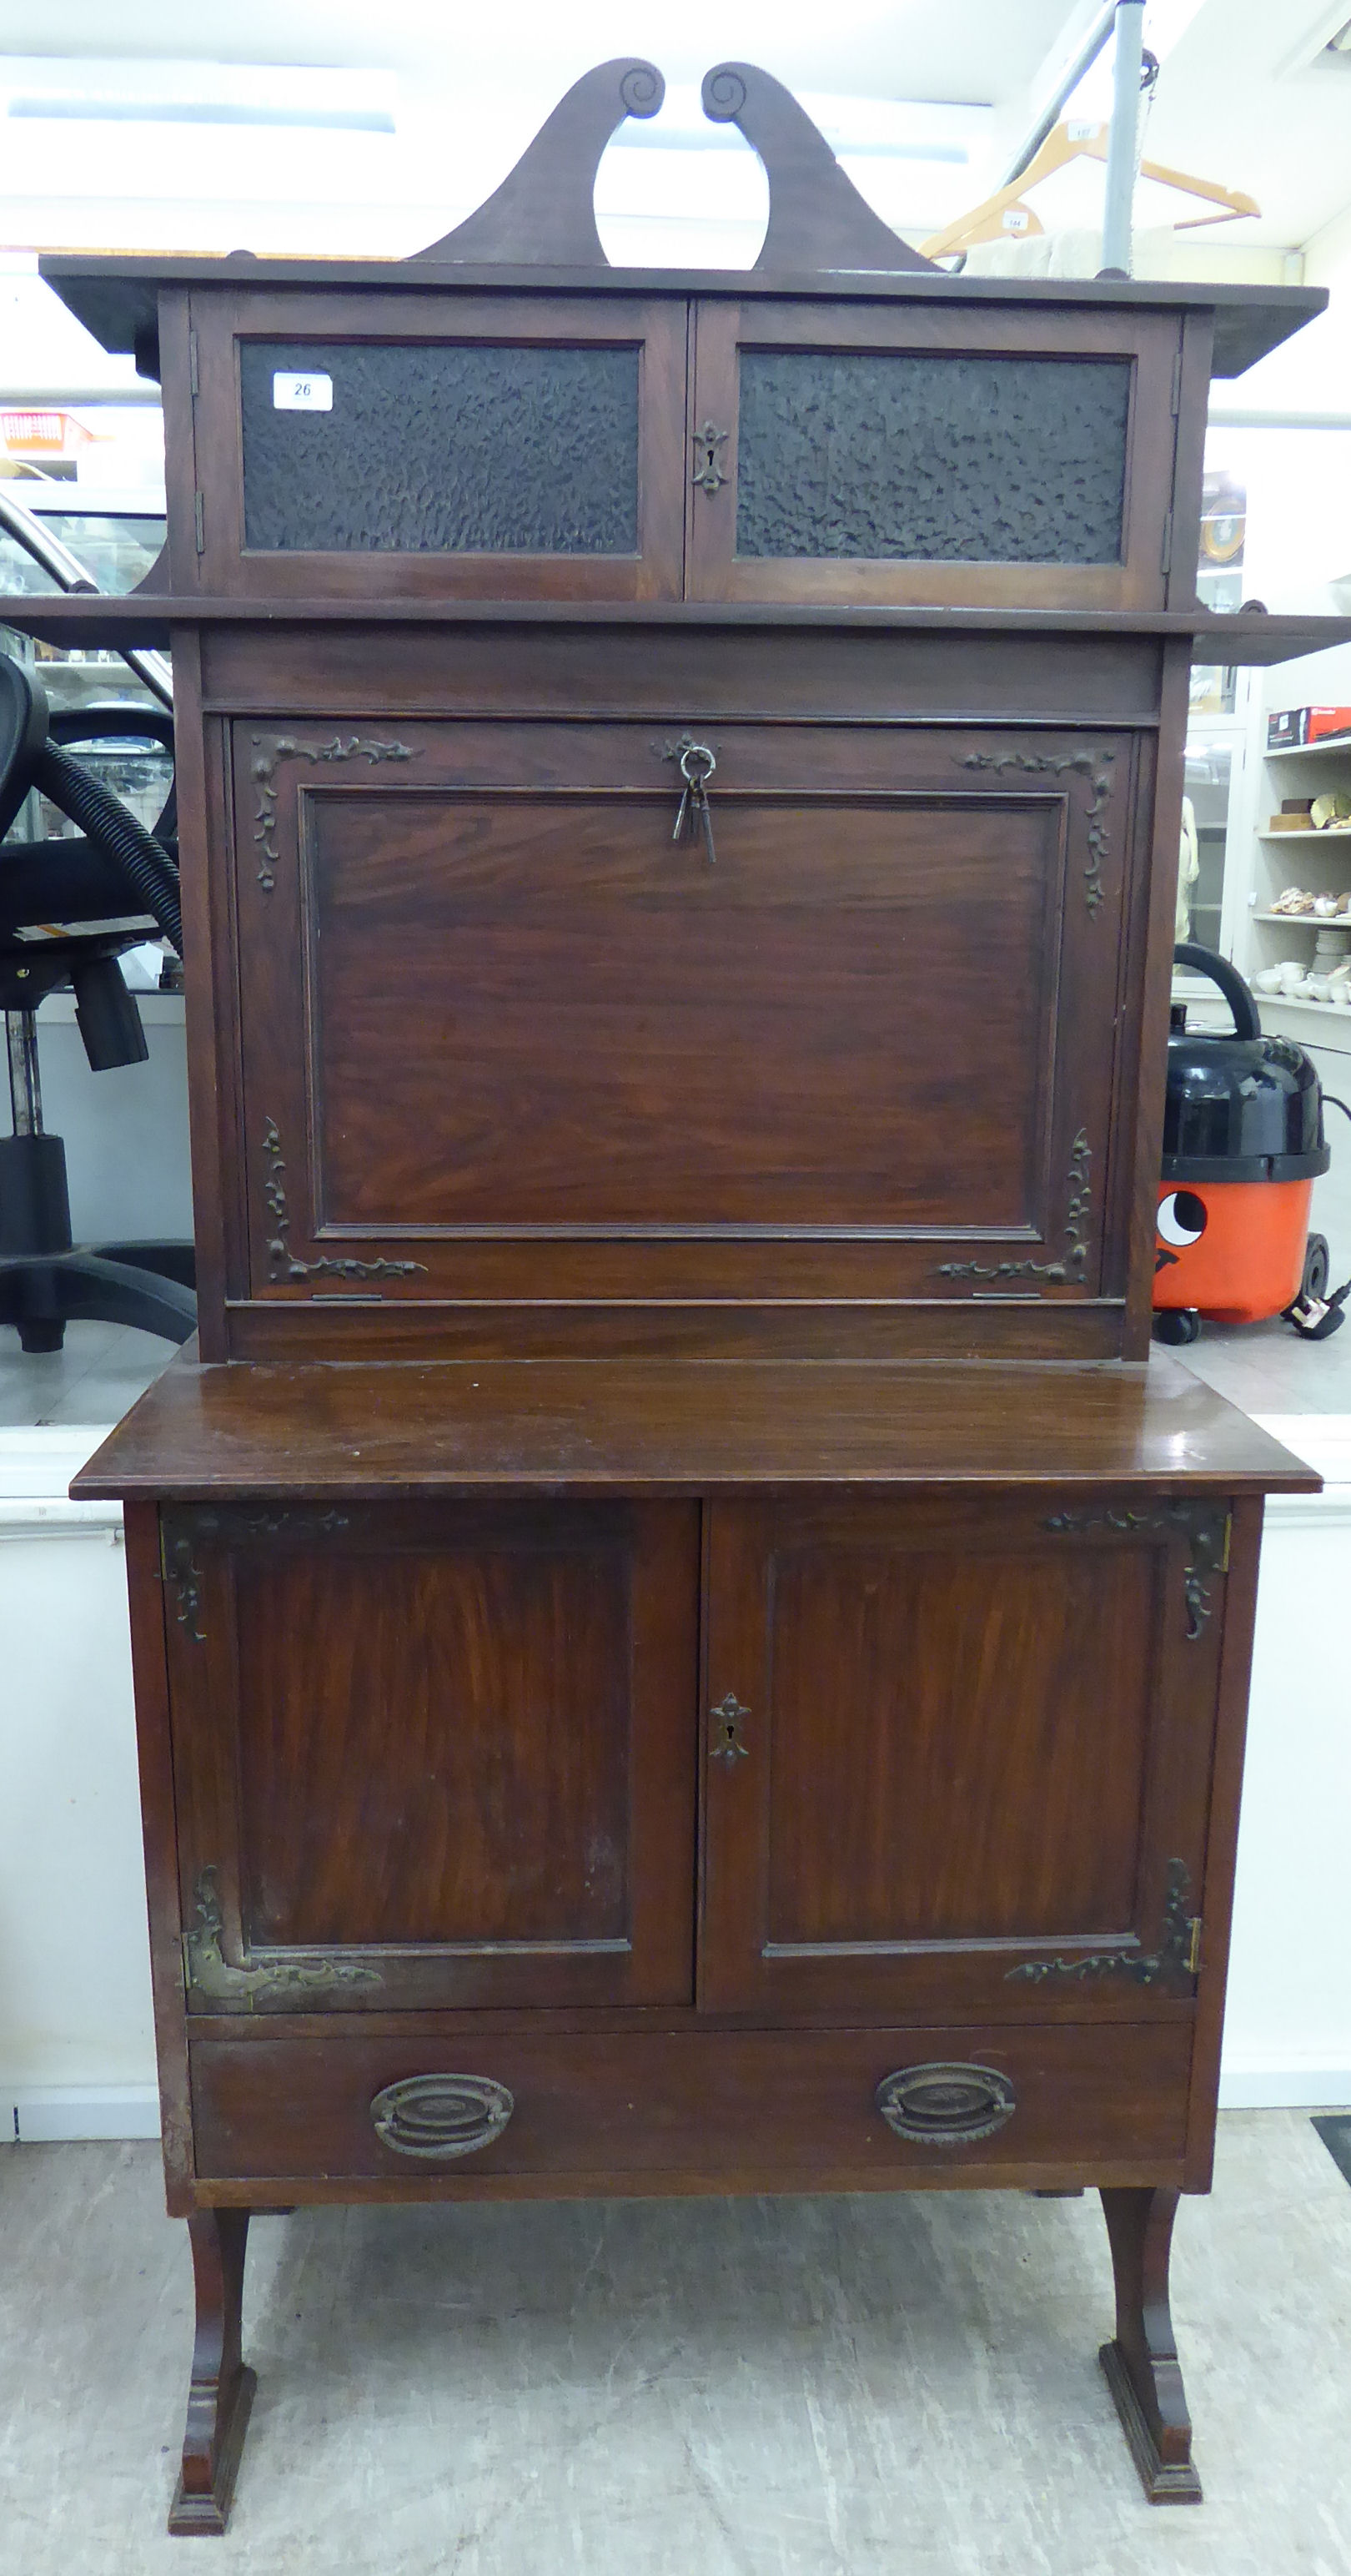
x=434 y=447
x=931 y=459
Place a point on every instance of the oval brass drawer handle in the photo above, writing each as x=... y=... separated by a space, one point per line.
x=441 y=2115
x=945 y=2106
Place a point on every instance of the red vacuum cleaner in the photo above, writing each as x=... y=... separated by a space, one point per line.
x=1242 y=1147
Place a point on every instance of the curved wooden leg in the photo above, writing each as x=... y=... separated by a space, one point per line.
x=1141 y=2363
x=220 y=2392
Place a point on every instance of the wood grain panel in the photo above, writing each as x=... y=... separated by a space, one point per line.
x=976 y=1736
x=943 y=1726
x=451 y=1746
x=435 y=1747
x=613 y=1033
x=655 y=665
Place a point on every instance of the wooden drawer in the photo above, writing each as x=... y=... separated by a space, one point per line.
x=663 y=2111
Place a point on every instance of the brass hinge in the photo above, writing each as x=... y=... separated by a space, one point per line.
x=208 y=1974
x=1166 y=551
x=1176 y=404
x=193 y=385
x=198 y=508
x=182 y=1578
x=1194 y=1948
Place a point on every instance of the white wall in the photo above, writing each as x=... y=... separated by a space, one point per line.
x=76 y=2035
x=1288 y=2026
x=125 y=1131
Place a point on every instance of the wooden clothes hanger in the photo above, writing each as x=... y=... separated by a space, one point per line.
x=1006 y=213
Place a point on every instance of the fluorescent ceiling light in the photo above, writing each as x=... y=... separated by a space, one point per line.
x=188 y=93
x=855 y=128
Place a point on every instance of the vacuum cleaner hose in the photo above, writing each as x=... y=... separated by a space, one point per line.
x=146 y=866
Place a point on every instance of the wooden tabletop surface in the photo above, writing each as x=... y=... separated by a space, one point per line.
x=677 y=1427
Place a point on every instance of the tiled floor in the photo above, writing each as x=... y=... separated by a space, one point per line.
x=96 y=1378
x=1267 y=1368
x=869 y=2386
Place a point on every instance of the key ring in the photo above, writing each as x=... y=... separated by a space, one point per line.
x=697 y=751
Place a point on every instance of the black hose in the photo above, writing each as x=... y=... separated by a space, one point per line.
x=146 y=866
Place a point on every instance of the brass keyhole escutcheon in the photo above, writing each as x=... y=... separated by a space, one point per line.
x=708 y=473
x=727 y=1745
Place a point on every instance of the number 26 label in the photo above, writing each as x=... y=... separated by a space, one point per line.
x=302 y=393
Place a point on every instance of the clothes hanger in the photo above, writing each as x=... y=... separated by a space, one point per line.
x=1065 y=143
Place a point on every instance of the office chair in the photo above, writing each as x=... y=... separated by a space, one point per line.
x=104 y=883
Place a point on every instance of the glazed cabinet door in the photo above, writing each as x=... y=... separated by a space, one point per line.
x=919 y=454
x=456 y=447
x=958 y=1753
x=440 y=1754
x=515 y=1060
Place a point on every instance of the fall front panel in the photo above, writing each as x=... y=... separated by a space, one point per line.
x=623 y=1034
x=851 y=1034
x=442 y=1754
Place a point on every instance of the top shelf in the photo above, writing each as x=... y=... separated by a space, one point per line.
x=1309 y=750
x=117 y=298
x=148 y=618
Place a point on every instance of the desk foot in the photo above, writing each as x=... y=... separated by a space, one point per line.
x=220 y=2392
x=1141 y=2363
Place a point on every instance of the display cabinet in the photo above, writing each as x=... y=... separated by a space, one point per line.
x=680 y=1646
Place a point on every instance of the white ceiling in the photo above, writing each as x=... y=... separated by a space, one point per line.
x=977 y=49
x=1241 y=99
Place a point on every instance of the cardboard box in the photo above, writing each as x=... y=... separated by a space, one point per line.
x=1303 y=725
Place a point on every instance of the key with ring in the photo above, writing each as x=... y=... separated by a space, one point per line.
x=697 y=764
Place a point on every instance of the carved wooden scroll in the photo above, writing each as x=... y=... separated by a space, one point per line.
x=543 y=214
x=543 y=211
x=817 y=219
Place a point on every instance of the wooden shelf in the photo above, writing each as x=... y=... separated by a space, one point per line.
x=1293 y=1002
x=675 y=1427
x=144 y=617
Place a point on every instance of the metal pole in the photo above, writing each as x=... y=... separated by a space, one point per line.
x=1119 y=194
x=69 y=573
x=25 y=1090
x=1069 y=80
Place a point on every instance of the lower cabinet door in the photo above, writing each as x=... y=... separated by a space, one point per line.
x=434 y=1754
x=957 y=1754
